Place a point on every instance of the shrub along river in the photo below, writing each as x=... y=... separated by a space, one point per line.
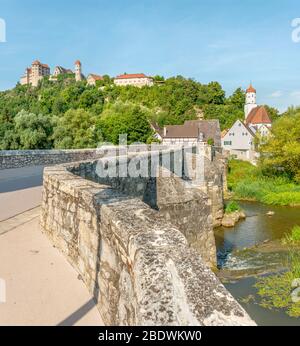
x=253 y=248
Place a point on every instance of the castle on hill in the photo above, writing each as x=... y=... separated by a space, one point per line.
x=38 y=71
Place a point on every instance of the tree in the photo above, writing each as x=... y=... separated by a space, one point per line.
x=124 y=119
x=31 y=131
x=237 y=99
x=75 y=130
x=273 y=112
x=280 y=154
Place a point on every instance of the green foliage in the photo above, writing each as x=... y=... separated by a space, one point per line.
x=75 y=130
x=292 y=238
x=28 y=131
x=275 y=290
x=169 y=101
x=120 y=118
x=231 y=207
x=281 y=152
x=249 y=182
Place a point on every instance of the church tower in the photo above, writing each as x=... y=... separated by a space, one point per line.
x=250 y=100
x=78 y=72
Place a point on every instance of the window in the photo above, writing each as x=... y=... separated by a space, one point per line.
x=227 y=143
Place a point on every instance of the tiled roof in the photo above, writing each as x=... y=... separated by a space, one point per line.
x=131 y=76
x=258 y=115
x=251 y=89
x=63 y=70
x=210 y=129
x=77 y=62
x=95 y=76
x=36 y=62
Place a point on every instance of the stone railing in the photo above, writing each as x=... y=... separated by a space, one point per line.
x=25 y=158
x=130 y=238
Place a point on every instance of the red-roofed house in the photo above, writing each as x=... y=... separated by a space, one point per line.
x=93 y=78
x=239 y=139
x=137 y=79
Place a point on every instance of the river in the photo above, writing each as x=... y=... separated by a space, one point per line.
x=238 y=263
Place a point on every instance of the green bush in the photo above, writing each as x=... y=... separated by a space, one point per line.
x=231 y=207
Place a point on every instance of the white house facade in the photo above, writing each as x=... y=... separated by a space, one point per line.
x=137 y=80
x=239 y=139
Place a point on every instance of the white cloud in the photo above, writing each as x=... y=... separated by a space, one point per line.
x=276 y=94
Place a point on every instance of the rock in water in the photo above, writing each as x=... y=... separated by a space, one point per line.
x=296 y=295
x=296 y=283
x=270 y=213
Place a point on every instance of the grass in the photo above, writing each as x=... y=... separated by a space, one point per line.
x=292 y=238
x=275 y=290
x=247 y=182
x=231 y=207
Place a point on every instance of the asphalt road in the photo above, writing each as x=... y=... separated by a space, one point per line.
x=20 y=178
x=20 y=190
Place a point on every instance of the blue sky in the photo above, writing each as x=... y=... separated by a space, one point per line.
x=230 y=41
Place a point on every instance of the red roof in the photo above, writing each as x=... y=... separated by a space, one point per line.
x=251 y=89
x=258 y=115
x=95 y=76
x=36 y=62
x=77 y=62
x=131 y=76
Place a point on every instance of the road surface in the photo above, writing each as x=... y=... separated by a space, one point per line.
x=42 y=288
x=20 y=190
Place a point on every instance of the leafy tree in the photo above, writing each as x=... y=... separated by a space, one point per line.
x=126 y=119
x=75 y=130
x=237 y=99
x=281 y=153
x=29 y=131
x=273 y=112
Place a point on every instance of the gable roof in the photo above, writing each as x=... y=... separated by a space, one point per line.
x=63 y=70
x=181 y=131
x=95 y=76
x=130 y=76
x=245 y=126
x=258 y=115
x=210 y=129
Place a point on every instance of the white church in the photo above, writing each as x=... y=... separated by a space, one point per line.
x=239 y=139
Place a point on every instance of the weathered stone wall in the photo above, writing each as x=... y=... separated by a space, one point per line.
x=24 y=158
x=177 y=199
x=138 y=266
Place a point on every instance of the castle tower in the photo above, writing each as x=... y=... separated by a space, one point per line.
x=250 y=100
x=78 y=72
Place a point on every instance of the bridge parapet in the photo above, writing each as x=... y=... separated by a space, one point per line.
x=126 y=237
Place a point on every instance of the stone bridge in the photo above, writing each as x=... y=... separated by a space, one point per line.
x=143 y=245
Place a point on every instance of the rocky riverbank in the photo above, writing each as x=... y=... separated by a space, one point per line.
x=231 y=219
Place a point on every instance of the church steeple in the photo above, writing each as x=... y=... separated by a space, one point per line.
x=78 y=71
x=250 y=100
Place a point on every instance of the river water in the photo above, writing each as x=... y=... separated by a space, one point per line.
x=239 y=263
